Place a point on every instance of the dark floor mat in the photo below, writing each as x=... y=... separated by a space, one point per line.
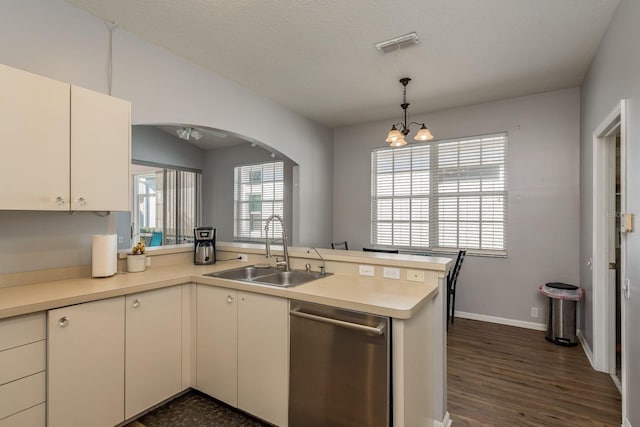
x=194 y=409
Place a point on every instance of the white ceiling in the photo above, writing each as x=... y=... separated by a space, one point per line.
x=317 y=56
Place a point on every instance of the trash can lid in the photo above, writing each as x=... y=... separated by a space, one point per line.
x=561 y=291
x=564 y=286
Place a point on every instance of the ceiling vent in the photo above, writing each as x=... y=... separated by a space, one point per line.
x=400 y=42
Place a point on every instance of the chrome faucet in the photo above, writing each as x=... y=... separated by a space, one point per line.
x=267 y=244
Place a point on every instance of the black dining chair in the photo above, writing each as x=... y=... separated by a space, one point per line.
x=452 y=279
x=340 y=245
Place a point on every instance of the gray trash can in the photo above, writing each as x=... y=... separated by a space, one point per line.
x=563 y=298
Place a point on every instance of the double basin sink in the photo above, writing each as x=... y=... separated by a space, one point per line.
x=271 y=276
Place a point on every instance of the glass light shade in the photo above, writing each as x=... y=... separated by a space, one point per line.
x=398 y=142
x=394 y=135
x=423 y=134
x=183 y=133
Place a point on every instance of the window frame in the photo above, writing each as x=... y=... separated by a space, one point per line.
x=433 y=153
x=174 y=211
x=276 y=205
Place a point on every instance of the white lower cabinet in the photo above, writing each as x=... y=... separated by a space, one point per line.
x=35 y=416
x=112 y=359
x=217 y=343
x=242 y=351
x=263 y=357
x=86 y=364
x=23 y=370
x=153 y=356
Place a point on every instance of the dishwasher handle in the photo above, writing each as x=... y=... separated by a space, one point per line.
x=376 y=330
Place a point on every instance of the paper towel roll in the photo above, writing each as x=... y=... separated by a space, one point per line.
x=104 y=255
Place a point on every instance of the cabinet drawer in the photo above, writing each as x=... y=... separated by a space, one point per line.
x=19 y=362
x=22 y=394
x=21 y=330
x=32 y=417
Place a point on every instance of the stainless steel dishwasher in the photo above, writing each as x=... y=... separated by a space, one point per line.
x=339 y=367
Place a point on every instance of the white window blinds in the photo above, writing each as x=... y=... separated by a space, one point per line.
x=444 y=195
x=259 y=193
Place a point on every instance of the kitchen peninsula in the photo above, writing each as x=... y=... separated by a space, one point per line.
x=416 y=308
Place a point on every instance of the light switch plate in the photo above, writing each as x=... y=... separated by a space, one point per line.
x=367 y=270
x=391 y=273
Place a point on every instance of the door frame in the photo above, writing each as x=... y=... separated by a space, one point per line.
x=603 y=298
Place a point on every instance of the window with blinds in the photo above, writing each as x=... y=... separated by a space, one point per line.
x=167 y=204
x=441 y=195
x=259 y=193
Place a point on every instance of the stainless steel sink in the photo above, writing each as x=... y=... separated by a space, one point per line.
x=244 y=273
x=286 y=279
x=269 y=276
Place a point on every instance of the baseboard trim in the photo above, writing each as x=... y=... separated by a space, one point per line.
x=586 y=348
x=446 y=421
x=502 y=321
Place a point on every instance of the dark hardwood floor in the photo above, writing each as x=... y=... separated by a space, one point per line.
x=506 y=376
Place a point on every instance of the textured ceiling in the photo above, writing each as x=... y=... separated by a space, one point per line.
x=317 y=56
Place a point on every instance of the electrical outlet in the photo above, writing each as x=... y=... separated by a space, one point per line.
x=415 y=275
x=120 y=239
x=147 y=261
x=534 y=312
x=367 y=270
x=391 y=273
x=243 y=257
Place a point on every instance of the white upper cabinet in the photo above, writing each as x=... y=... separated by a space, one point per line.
x=100 y=151
x=64 y=147
x=34 y=169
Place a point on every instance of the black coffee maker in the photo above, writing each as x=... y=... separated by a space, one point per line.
x=204 y=251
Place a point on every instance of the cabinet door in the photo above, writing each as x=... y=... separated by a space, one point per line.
x=263 y=356
x=100 y=151
x=153 y=360
x=34 y=169
x=216 y=343
x=86 y=364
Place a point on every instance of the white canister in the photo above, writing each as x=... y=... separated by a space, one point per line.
x=136 y=262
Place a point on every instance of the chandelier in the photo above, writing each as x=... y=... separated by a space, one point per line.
x=399 y=131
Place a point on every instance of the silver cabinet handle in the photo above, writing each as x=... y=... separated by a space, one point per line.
x=229 y=299
x=59 y=200
x=376 y=330
x=82 y=201
x=135 y=303
x=63 y=321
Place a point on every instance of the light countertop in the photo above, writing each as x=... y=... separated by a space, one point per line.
x=394 y=298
